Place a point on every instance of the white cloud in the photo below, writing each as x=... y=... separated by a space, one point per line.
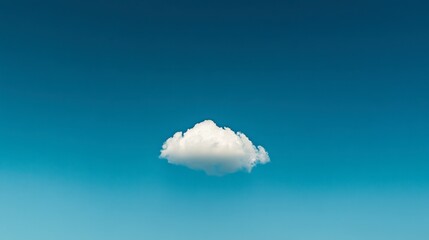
x=212 y=149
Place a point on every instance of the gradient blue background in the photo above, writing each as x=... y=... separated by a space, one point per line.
x=337 y=92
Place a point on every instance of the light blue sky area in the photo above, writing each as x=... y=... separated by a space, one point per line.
x=55 y=209
x=337 y=93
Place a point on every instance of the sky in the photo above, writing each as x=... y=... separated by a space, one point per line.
x=336 y=93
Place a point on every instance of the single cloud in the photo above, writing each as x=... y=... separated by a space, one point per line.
x=214 y=150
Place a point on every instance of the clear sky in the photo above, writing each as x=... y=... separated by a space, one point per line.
x=336 y=92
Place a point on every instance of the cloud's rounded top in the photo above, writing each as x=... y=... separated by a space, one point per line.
x=212 y=149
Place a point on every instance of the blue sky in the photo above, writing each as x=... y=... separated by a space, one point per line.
x=337 y=93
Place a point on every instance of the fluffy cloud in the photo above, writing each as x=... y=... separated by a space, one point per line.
x=212 y=149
